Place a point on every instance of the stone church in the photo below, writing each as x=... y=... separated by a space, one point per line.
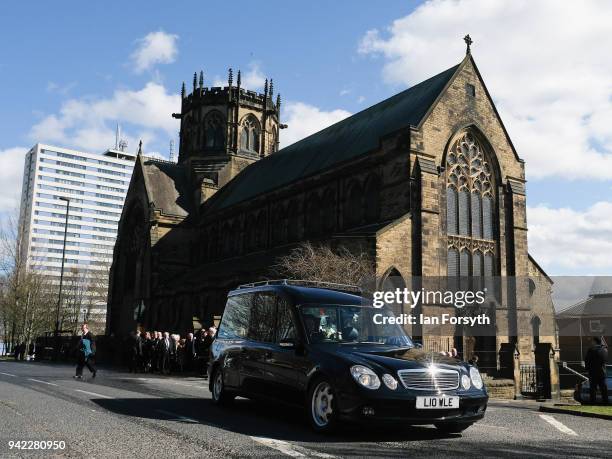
x=427 y=183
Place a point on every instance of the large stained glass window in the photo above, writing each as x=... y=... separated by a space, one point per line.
x=470 y=209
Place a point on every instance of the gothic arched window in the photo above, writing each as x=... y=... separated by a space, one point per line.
x=293 y=221
x=249 y=135
x=372 y=199
x=273 y=141
x=353 y=210
x=213 y=130
x=470 y=198
x=451 y=211
x=328 y=210
x=313 y=214
x=453 y=262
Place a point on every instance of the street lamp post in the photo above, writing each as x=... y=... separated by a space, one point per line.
x=61 y=283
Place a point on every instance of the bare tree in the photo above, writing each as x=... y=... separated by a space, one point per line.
x=324 y=264
x=25 y=298
x=85 y=294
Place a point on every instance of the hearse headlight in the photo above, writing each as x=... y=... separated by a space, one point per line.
x=365 y=377
x=389 y=381
x=475 y=377
x=465 y=382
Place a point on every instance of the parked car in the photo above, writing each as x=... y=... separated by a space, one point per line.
x=582 y=392
x=321 y=349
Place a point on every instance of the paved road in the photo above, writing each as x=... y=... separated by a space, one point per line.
x=118 y=414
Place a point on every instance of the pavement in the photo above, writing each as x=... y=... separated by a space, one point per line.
x=119 y=414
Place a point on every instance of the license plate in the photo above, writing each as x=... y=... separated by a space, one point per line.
x=437 y=402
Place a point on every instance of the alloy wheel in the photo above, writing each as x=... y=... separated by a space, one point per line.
x=218 y=385
x=322 y=404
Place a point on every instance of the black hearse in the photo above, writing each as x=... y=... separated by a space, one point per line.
x=320 y=348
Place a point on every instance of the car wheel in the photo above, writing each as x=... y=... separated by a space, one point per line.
x=322 y=406
x=452 y=427
x=220 y=395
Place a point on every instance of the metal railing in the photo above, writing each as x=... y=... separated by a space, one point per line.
x=565 y=366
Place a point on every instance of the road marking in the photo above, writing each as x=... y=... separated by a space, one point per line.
x=558 y=425
x=42 y=382
x=289 y=449
x=8 y=374
x=182 y=384
x=490 y=426
x=93 y=393
x=178 y=417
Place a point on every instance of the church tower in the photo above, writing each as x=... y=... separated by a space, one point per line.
x=225 y=129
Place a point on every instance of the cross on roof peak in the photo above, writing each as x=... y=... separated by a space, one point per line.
x=468 y=41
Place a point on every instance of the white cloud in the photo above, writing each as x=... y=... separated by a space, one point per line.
x=89 y=123
x=563 y=239
x=54 y=87
x=11 y=176
x=254 y=77
x=545 y=64
x=155 y=48
x=219 y=82
x=304 y=119
x=344 y=92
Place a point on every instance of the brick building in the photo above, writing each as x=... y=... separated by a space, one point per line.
x=427 y=182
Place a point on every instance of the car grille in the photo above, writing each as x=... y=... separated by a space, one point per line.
x=423 y=379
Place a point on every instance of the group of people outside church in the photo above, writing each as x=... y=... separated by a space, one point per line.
x=165 y=352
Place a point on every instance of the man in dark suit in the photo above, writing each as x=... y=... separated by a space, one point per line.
x=595 y=362
x=134 y=351
x=86 y=350
x=190 y=352
x=164 y=353
x=155 y=352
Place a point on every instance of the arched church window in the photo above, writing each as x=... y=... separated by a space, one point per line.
x=392 y=281
x=453 y=262
x=313 y=214
x=470 y=212
x=488 y=264
x=372 y=199
x=476 y=199
x=451 y=210
x=244 y=138
x=477 y=261
x=273 y=140
x=214 y=130
x=464 y=213
x=262 y=231
x=353 y=210
x=535 y=326
x=235 y=238
x=279 y=225
x=249 y=135
x=328 y=210
x=293 y=221
x=487 y=217
x=464 y=263
x=468 y=173
x=254 y=142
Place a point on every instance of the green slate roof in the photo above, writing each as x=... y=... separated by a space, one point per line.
x=345 y=140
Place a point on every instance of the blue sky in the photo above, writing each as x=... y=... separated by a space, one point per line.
x=84 y=48
x=69 y=71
